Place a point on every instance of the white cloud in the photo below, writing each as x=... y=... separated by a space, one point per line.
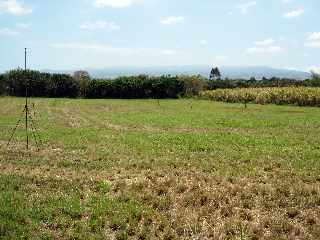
x=172 y=20
x=99 y=25
x=23 y=25
x=14 y=7
x=315 y=44
x=8 y=31
x=265 y=42
x=168 y=52
x=264 y=47
x=93 y=54
x=112 y=3
x=287 y=1
x=244 y=7
x=264 y=50
x=314 y=36
x=221 y=58
x=294 y=14
x=313 y=40
x=91 y=47
x=123 y=51
x=204 y=42
x=315 y=69
x=291 y=68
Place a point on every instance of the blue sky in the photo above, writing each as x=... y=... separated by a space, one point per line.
x=70 y=34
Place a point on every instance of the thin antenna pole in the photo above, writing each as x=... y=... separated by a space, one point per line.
x=29 y=122
x=26 y=107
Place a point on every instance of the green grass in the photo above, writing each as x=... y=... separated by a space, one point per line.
x=131 y=169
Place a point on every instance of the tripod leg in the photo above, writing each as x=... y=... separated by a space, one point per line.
x=35 y=137
x=34 y=133
x=26 y=118
x=15 y=129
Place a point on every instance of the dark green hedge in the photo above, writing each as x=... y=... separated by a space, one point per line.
x=40 y=84
x=2 y=85
x=61 y=85
x=136 y=87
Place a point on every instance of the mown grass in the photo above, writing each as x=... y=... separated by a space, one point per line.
x=187 y=169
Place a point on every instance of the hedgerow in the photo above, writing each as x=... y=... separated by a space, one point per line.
x=136 y=87
x=80 y=84
x=39 y=84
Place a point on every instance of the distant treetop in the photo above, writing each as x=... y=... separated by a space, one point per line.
x=215 y=74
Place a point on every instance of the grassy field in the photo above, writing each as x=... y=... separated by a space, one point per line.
x=184 y=169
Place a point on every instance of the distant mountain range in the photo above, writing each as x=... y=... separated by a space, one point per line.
x=227 y=72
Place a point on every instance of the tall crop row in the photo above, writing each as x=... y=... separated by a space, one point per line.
x=301 y=96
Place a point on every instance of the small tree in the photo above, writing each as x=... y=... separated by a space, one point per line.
x=2 y=84
x=215 y=74
x=83 y=78
x=315 y=75
x=193 y=85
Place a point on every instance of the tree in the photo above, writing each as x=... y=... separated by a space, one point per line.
x=252 y=80
x=16 y=83
x=83 y=78
x=315 y=75
x=215 y=74
x=62 y=85
x=193 y=85
x=2 y=84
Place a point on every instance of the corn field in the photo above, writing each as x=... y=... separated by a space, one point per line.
x=301 y=96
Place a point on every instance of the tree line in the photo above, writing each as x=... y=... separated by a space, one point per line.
x=40 y=84
x=80 y=84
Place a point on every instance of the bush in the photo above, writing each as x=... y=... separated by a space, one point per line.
x=82 y=78
x=136 y=87
x=193 y=85
x=40 y=84
x=2 y=85
x=62 y=85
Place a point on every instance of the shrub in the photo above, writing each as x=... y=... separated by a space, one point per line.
x=62 y=85
x=82 y=78
x=2 y=85
x=141 y=86
x=40 y=84
x=193 y=85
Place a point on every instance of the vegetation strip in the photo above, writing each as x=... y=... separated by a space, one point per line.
x=300 y=96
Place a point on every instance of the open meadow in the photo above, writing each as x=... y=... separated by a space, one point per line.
x=180 y=169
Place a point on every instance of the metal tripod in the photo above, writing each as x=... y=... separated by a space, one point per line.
x=26 y=115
